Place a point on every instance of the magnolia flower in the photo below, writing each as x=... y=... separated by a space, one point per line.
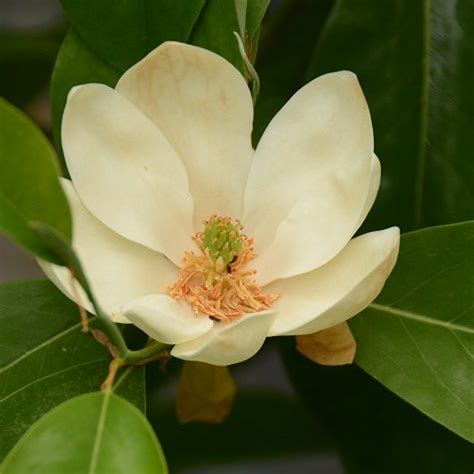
x=203 y=242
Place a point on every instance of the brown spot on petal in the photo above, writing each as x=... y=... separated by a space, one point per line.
x=332 y=346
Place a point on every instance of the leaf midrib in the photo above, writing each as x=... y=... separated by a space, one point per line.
x=100 y=431
x=102 y=418
x=421 y=318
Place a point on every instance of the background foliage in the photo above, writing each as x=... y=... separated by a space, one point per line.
x=414 y=412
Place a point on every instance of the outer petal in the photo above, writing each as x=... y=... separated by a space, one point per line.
x=119 y=270
x=166 y=320
x=125 y=171
x=310 y=177
x=375 y=175
x=331 y=346
x=228 y=343
x=338 y=290
x=203 y=106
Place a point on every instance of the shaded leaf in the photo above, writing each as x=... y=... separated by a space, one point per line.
x=416 y=66
x=43 y=351
x=123 y=33
x=29 y=184
x=206 y=393
x=256 y=10
x=94 y=433
x=26 y=62
x=418 y=337
x=332 y=346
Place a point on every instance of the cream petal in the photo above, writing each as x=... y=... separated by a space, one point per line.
x=119 y=270
x=338 y=290
x=166 y=320
x=375 y=175
x=125 y=171
x=203 y=106
x=310 y=177
x=228 y=343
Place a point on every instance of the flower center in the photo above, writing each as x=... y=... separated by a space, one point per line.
x=217 y=281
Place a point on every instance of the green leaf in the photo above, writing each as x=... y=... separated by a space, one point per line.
x=29 y=184
x=249 y=18
x=76 y=64
x=43 y=351
x=220 y=19
x=94 y=433
x=241 y=10
x=215 y=30
x=418 y=338
x=254 y=16
x=375 y=431
x=415 y=62
x=123 y=33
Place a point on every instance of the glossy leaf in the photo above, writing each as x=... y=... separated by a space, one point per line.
x=29 y=184
x=375 y=431
x=418 y=337
x=415 y=62
x=43 y=351
x=94 y=433
x=123 y=33
x=76 y=64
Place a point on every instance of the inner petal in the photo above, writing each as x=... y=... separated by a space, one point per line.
x=203 y=106
x=216 y=278
x=315 y=159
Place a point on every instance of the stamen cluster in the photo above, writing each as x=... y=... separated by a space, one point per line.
x=217 y=281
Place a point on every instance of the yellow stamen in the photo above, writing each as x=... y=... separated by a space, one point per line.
x=217 y=281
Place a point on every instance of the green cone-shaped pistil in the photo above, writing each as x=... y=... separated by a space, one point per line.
x=222 y=240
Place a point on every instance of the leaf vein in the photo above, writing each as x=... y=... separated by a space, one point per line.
x=421 y=318
x=67 y=369
x=43 y=344
x=430 y=367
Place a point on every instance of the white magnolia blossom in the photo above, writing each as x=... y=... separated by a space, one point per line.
x=170 y=147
